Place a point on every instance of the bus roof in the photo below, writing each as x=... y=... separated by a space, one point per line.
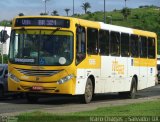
x=99 y=25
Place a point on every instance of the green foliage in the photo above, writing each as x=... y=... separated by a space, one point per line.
x=145 y=18
x=138 y=109
x=67 y=11
x=7 y=23
x=54 y=13
x=43 y=14
x=21 y=14
x=85 y=6
x=5 y=59
x=132 y=110
x=126 y=12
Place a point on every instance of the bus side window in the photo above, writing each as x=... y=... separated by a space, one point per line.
x=134 y=46
x=143 y=47
x=151 y=48
x=92 y=41
x=80 y=44
x=104 y=42
x=124 y=45
x=115 y=43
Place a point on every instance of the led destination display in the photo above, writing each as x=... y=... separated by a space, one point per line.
x=51 y=22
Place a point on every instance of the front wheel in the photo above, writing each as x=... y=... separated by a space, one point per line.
x=87 y=97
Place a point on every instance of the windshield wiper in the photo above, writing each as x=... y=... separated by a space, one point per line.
x=57 y=29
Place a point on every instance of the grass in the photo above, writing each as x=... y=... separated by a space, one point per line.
x=138 y=109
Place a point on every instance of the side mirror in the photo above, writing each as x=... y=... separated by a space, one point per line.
x=3 y=36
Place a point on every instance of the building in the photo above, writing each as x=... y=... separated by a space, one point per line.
x=5 y=45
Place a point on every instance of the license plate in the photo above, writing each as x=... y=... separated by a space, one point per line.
x=37 y=88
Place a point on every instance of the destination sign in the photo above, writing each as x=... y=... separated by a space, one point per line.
x=50 y=22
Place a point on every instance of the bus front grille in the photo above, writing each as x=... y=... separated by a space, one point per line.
x=29 y=72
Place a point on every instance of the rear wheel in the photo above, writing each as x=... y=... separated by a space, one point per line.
x=87 y=97
x=133 y=90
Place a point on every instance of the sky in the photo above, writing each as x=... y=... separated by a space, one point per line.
x=11 y=8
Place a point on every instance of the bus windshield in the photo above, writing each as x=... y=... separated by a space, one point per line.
x=41 y=47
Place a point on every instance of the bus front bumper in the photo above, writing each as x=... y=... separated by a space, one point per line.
x=48 y=87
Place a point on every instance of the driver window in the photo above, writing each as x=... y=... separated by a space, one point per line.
x=80 y=44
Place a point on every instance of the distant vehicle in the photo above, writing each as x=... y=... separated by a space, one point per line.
x=3 y=79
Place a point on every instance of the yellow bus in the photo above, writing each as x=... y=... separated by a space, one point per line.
x=71 y=56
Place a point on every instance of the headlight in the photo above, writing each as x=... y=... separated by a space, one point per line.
x=65 y=79
x=13 y=77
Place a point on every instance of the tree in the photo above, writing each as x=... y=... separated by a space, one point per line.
x=21 y=14
x=67 y=11
x=126 y=12
x=5 y=58
x=86 y=6
x=54 y=13
x=42 y=14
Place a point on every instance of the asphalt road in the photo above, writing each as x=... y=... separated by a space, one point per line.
x=60 y=105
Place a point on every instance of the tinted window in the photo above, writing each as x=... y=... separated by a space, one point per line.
x=134 y=46
x=143 y=47
x=151 y=48
x=41 y=47
x=80 y=44
x=115 y=44
x=92 y=41
x=104 y=42
x=124 y=45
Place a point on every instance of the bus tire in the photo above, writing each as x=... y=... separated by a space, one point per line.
x=87 y=96
x=1 y=92
x=133 y=90
x=31 y=99
x=132 y=93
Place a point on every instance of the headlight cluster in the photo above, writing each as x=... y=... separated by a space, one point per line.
x=65 y=79
x=13 y=77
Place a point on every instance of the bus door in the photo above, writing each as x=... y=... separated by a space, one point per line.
x=120 y=50
x=152 y=63
x=143 y=63
x=106 y=72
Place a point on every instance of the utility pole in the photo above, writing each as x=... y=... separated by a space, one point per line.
x=104 y=11
x=45 y=8
x=73 y=7
x=125 y=3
